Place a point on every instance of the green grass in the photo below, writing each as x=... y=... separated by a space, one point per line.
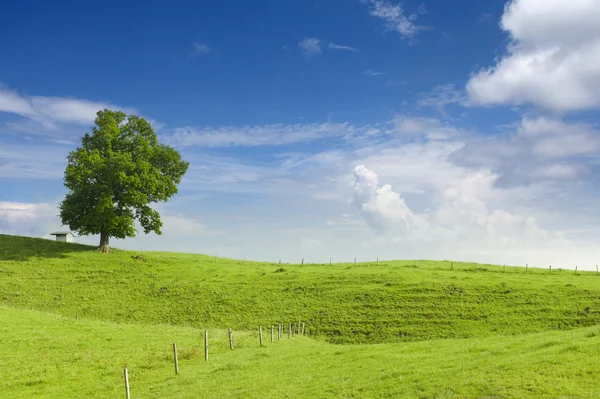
x=417 y=329
x=341 y=303
x=57 y=357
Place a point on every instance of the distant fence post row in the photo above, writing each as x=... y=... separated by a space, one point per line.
x=280 y=330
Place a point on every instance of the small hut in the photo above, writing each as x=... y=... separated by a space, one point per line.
x=63 y=236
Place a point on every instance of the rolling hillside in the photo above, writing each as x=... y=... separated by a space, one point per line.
x=442 y=329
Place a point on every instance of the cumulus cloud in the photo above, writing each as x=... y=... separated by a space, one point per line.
x=382 y=207
x=552 y=61
x=460 y=216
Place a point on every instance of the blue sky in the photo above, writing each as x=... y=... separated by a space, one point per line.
x=323 y=128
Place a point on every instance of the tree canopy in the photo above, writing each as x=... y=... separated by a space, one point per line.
x=119 y=170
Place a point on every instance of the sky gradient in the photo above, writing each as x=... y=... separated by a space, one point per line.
x=327 y=128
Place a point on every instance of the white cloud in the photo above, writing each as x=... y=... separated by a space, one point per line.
x=27 y=219
x=343 y=48
x=461 y=217
x=441 y=96
x=261 y=135
x=49 y=115
x=370 y=72
x=310 y=46
x=553 y=60
x=539 y=149
x=396 y=18
x=201 y=49
x=381 y=206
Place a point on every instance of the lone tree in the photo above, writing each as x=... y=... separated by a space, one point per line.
x=112 y=178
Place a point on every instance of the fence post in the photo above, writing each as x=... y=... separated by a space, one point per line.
x=526 y=267
x=575 y=269
x=230 y=339
x=206 y=345
x=272 y=332
x=330 y=260
x=597 y=270
x=175 y=358
x=451 y=265
x=550 y=268
x=260 y=335
x=355 y=260
x=378 y=260
x=126 y=378
x=279 y=332
x=302 y=261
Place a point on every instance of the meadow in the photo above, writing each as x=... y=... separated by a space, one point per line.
x=72 y=319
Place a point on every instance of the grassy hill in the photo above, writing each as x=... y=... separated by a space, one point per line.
x=484 y=330
x=54 y=356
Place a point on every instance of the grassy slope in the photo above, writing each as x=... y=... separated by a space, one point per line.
x=389 y=302
x=52 y=356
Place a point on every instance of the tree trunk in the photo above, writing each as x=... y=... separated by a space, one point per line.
x=104 y=247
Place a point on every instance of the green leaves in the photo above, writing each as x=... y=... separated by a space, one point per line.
x=117 y=172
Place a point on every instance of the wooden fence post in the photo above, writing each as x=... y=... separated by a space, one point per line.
x=526 y=267
x=575 y=269
x=378 y=260
x=230 y=339
x=260 y=335
x=330 y=260
x=550 y=268
x=206 y=345
x=272 y=332
x=302 y=261
x=597 y=270
x=126 y=378
x=175 y=358
x=355 y=260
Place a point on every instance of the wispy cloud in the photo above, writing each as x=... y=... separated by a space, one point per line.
x=370 y=72
x=441 y=96
x=53 y=117
x=485 y=17
x=396 y=19
x=261 y=135
x=311 y=46
x=344 y=48
x=201 y=49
